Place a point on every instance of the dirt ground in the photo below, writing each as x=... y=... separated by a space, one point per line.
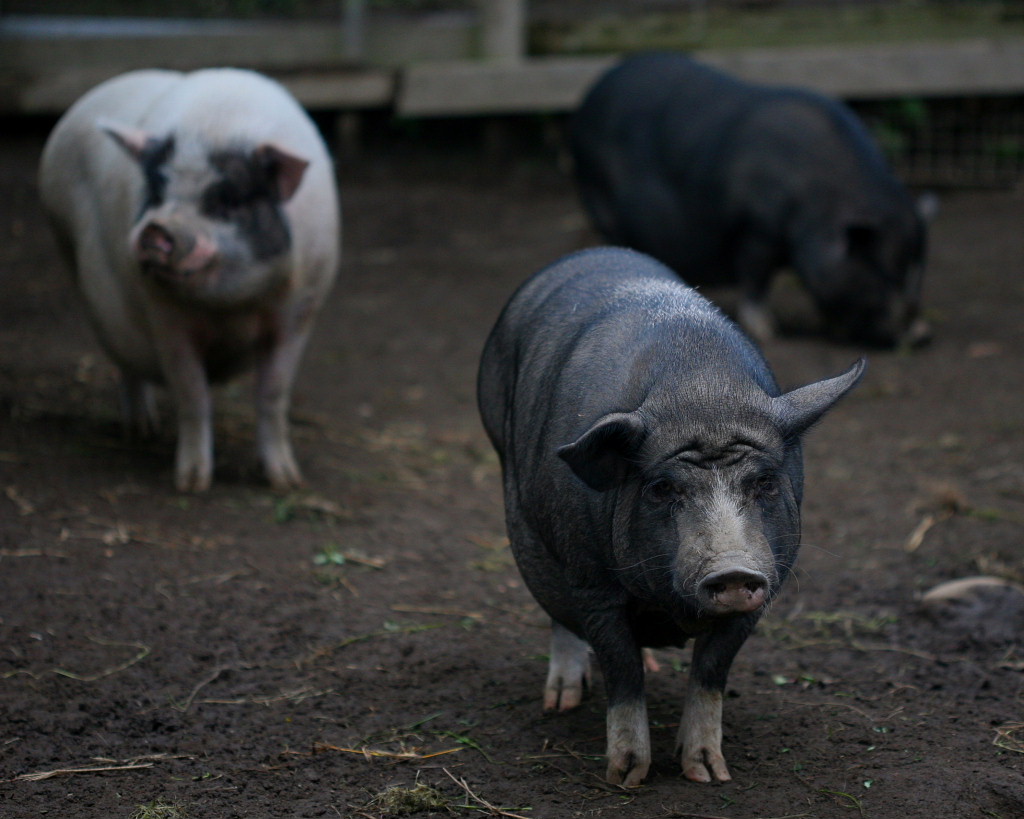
x=366 y=648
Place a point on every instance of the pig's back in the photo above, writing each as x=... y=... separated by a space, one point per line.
x=651 y=144
x=595 y=332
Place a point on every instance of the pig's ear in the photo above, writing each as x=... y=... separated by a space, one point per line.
x=801 y=408
x=601 y=456
x=286 y=168
x=134 y=141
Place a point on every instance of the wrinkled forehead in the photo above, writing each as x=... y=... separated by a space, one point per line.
x=719 y=436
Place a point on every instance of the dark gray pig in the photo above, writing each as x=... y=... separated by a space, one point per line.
x=200 y=215
x=727 y=181
x=652 y=478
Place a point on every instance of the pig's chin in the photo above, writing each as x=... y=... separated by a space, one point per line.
x=189 y=282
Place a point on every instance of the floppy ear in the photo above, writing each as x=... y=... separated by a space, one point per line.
x=799 y=409
x=601 y=456
x=286 y=168
x=134 y=141
x=140 y=145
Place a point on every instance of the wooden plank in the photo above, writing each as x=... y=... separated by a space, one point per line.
x=963 y=68
x=54 y=92
x=465 y=89
x=422 y=64
x=959 y=68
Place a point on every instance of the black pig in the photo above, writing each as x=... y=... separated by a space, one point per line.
x=652 y=478
x=726 y=182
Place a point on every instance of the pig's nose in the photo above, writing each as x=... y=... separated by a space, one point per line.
x=734 y=590
x=155 y=244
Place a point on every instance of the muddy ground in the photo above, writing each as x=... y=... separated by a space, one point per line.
x=366 y=644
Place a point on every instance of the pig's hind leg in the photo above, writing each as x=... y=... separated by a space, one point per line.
x=568 y=670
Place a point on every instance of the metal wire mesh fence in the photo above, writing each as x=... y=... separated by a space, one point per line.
x=953 y=142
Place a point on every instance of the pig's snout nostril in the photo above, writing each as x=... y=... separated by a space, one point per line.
x=155 y=244
x=734 y=590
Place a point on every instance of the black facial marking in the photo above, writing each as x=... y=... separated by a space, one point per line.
x=246 y=195
x=153 y=157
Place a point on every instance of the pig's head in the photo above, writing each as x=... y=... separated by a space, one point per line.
x=212 y=226
x=705 y=492
x=865 y=275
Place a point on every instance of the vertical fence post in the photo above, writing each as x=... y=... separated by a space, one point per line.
x=353 y=22
x=503 y=29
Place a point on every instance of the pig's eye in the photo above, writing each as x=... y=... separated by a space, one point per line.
x=222 y=201
x=662 y=491
x=766 y=485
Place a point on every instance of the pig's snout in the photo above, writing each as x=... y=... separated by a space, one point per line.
x=178 y=252
x=155 y=245
x=733 y=591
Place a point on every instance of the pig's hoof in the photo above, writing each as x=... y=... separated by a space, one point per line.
x=283 y=474
x=567 y=682
x=705 y=766
x=629 y=743
x=194 y=479
x=282 y=481
x=564 y=694
x=568 y=671
x=627 y=769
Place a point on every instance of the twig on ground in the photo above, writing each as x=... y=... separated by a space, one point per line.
x=143 y=651
x=409 y=609
x=205 y=681
x=325 y=651
x=39 y=776
x=298 y=695
x=917 y=536
x=25 y=506
x=482 y=802
x=30 y=553
x=1005 y=737
x=674 y=814
x=369 y=753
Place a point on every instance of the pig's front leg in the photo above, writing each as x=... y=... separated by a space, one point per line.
x=568 y=670
x=193 y=462
x=699 y=740
x=621 y=661
x=187 y=383
x=275 y=377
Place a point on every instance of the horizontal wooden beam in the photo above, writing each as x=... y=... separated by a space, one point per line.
x=961 y=68
x=428 y=66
